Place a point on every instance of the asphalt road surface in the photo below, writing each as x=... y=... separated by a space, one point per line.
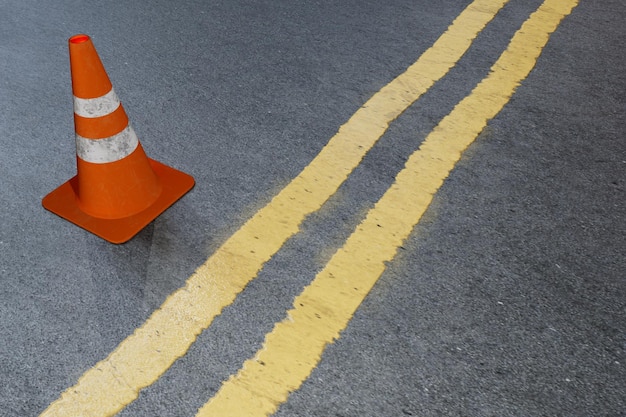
x=507 y=298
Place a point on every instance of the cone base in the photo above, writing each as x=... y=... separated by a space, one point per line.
x=63 y=202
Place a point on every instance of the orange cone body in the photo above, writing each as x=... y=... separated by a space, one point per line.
x=118 y=190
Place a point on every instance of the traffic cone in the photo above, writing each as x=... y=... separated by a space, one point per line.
x=117 y=190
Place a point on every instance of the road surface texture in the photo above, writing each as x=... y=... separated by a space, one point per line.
x=507 y=298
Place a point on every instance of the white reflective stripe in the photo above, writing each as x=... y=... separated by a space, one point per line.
x=111 y=149
x=96 y=107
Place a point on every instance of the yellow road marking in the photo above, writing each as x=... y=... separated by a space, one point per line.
x=144 y=356
x=324 y=308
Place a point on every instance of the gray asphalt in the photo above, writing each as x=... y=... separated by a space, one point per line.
x=509 y=298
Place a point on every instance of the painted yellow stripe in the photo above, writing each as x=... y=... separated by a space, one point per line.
x=144 y=356
x=295 y=345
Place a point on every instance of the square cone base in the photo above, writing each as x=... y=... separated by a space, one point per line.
x=63 y=203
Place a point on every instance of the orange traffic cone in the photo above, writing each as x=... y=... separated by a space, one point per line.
x=118 y=190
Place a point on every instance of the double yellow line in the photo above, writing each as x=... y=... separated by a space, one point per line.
x=294 y=347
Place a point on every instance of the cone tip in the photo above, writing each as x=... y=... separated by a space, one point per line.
x=80 y=38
